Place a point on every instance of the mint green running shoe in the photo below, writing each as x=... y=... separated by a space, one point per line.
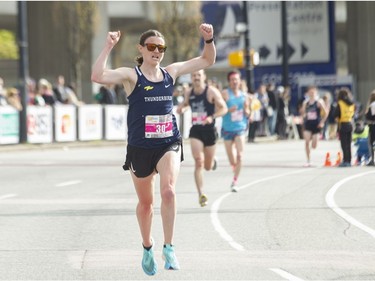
x=149 y=265
x=171 y=262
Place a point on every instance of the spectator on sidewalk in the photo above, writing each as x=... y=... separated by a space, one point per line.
x=3 y=93
x=72 y=96
x=31 y=91
x=107 y=94
x=361 y=141
x=46 y=92
x=370 y=120
x=272 y=108
x=327 y=102
x=345 y=115
x=282 y=112
x=14 y=99
x=65 y=94
x=262 y=96
x=61 y=90
x=331 y=120
x=255 y=117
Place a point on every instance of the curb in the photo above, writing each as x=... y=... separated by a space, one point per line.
x=59 y=145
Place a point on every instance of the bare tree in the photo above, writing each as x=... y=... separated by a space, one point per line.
x=179 y=21
x=78 y=18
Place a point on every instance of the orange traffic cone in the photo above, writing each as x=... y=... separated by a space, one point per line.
x=339 y=159
x=327 y=163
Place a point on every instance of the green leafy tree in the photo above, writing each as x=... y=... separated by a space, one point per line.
x=8 y=46
x=179 y=22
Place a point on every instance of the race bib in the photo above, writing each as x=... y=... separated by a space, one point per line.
x=198 y=117
x=158 y=126
x=312 y=115
x=236 y=115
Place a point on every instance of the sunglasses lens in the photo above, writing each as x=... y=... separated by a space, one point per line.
x=161 y=48
x=151 y=47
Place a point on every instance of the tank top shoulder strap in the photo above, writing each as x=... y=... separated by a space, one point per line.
x=138 y=71
x=205 y=90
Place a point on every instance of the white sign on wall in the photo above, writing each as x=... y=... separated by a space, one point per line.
x=308 y=27
x=65 y=123
x=90 y=122
x=39 y=124
x=308 y=31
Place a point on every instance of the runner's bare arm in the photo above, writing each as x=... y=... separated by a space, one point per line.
x=220 y=105
x=103 y=75
x=185 y=104
x=206 y=59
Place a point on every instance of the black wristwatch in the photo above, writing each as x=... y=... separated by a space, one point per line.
x=210 y=40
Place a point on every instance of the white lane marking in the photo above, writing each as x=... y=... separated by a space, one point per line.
x=285 y=274
x=216 y=205
x=219 y=228
x=68 y=183
x=332 y=204
x=8 y=196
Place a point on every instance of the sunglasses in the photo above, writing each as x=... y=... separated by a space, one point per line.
x=151 y=47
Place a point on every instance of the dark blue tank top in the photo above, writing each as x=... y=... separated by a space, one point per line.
x=151 y=122
x=201 y=108
x=312 y=117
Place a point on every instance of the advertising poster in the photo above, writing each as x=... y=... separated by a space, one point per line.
x=115 y=122
x=9 y=125
x=90 y=122
x=65 y=123
x=39 y=124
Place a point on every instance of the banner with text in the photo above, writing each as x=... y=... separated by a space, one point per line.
x=65 y=123
x=115 y=122
x=39 y=124
x=9 y=125
x=90 y=122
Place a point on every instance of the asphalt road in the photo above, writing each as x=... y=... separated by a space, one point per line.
x=67 y=213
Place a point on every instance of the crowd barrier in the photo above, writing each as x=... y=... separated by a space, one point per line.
x=68 y=123
x=65 y=123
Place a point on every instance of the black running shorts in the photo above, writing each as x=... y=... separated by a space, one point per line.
x=208 y=136
x=142 y=162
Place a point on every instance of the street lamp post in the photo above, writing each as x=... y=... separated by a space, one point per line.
x=248 y=67
x=23 y=66
x=284 y=35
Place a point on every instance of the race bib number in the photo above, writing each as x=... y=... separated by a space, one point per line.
x=312 y=115
x=236 y=115
x=158 y=126
x=198 y=118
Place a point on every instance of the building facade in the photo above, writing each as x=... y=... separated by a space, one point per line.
x=48 y=56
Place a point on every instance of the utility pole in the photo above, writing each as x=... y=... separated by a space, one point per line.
x=284 y=39
x=248 y=67
x=23 y=66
